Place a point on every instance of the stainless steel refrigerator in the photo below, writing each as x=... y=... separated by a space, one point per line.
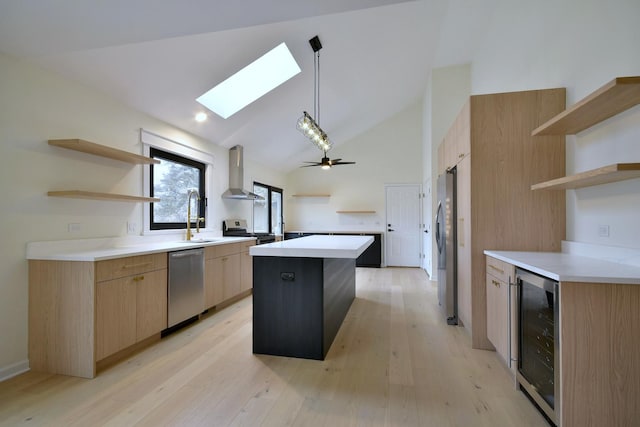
x=447 y=241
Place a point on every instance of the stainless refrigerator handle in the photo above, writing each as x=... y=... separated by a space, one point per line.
x=438 y=213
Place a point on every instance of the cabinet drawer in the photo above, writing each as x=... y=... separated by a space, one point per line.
x=499 y=269
x=247 y=245
x=122 y=267
x=226 y=249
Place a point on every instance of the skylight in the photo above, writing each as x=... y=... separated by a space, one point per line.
x=253 y=81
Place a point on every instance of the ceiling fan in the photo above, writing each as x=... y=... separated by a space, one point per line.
x=326 y=163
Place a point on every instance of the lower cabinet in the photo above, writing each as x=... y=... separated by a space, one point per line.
x=500 y=309
x=129 y=310
x=227 y=272
x=82 y=312
x=597 y=347
x=246 y=267
x=372 y=256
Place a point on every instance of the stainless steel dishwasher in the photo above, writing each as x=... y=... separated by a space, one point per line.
x=186 y=285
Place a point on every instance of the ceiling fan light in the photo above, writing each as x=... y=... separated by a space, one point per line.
x=325 y=167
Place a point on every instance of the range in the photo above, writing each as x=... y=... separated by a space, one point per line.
x=238 y=228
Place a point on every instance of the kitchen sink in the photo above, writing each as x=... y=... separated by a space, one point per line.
x=200 y=241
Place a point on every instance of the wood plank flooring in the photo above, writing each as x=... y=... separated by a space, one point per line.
x=394 y=362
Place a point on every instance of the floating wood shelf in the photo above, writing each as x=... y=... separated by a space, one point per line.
x=615 y=97
x=102 y=151
x=356 y=212
x=603 y=175
x=310 y=195
x=79 y=194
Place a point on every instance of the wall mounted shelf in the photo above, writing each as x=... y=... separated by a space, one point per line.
x=92 y=195
x=603 y=175
x=615 y=97
x=310 y=195
x=356 y=212
x=102 y=151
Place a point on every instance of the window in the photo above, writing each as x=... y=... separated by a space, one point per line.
x=267 y=213
x=171 y=180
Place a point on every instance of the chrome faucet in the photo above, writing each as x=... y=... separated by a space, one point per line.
x=189 y=194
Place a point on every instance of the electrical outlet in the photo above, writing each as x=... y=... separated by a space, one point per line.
x=603 y=231
x=131 y=227
x=74 y=227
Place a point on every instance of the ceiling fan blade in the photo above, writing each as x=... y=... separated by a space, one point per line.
x=343 y=163
x=334 y=161
x=308 y=166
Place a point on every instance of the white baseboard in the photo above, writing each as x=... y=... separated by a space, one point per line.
x=11 y=371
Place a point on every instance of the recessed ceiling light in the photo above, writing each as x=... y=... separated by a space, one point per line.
x=250 y=83
x=201 y=117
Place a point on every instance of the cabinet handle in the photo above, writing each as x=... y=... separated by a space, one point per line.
x=499 y=270
x=495 y=283
x=138 y=278
x=144 y=264
x=461 y=155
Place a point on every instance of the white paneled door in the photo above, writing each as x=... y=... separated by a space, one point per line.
x=403 y=236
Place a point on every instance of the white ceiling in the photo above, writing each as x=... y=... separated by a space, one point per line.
x=158 y=56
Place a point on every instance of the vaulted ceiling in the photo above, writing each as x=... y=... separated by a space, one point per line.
x=158 y=57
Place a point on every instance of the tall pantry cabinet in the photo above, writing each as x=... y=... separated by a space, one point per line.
x=497 y=161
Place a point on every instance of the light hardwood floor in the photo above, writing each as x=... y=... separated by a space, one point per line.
x=394 y=362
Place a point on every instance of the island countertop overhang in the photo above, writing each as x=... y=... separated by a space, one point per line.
x=315 y=247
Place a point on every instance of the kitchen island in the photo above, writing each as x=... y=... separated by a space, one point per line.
x=302 y=290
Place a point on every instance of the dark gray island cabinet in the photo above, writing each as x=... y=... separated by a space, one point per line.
x=302 y=291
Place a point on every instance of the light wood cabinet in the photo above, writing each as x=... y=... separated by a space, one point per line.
x=115 y=316
x=246 y=268
x=228 y=275
x=81 y=313
x=499 y=308
x=599 y=326
x=151 y=304
x=212 y=290
x=464 y=240
x=442 y=165
x=499 y=161
x=228 y=272
x=456 y=144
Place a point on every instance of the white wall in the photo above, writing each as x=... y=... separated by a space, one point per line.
x=35 y=106
x=580 y=45
x=389 y=153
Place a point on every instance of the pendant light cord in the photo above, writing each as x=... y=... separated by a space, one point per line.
x=316 y=87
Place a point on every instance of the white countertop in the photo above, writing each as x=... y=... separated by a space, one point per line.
x=103 y=249
x=315 y=247
x=571 y=268
x=354 y=232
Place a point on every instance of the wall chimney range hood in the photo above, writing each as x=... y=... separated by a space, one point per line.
x=236 y=177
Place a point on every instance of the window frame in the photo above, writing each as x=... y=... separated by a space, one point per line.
x=202 y=206
x=271 y=189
